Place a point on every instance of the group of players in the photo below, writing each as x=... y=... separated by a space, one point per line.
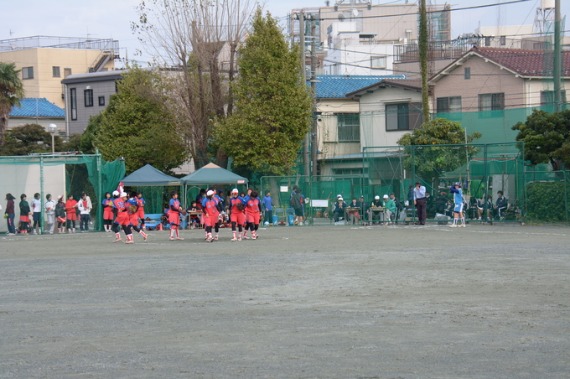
x=122 y=212
x=126 y=213
x=244 y=214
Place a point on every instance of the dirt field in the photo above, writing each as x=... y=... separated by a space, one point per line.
x=301 y=302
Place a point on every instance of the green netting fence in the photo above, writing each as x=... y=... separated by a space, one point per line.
x=61 y=174
x=483 y=170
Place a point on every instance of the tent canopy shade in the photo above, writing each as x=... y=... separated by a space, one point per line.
x=212 y=174
x=150 y=176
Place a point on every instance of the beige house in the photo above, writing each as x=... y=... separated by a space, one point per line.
x=496 y=79
x=45 y=61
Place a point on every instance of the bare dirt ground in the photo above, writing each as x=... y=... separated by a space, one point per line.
x=301 y=302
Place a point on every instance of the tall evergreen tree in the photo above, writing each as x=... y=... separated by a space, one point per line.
x=137 y=126
x=273 y=106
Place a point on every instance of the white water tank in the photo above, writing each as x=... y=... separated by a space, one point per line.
x=547 y=4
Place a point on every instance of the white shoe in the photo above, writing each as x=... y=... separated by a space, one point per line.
x=463 y=225
x=453 y=226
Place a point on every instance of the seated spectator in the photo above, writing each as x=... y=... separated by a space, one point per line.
x=339 y=209
x=374 y=213
x=501 y=205
x=194 y=218
x=354 y=212
x=484 y=207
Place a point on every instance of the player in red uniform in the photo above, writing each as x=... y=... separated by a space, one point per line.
x=133 y=211
x=140 y=209
x=122 y=220
x=174 y=211
x=107 y=212
x=237 y=214
x=253 y=213
x=211 y=215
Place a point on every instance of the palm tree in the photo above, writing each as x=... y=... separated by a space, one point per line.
x=11 y=91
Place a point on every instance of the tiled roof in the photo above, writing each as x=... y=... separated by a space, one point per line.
x=338 y=86
x=525 y=62
x=410 y=84
x=37 y=107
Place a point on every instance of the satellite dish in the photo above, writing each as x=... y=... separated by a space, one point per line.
x=355 y=12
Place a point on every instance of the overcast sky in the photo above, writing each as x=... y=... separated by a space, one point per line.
x=112 y=18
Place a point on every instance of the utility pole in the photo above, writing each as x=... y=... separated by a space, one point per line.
x=314 y=146
x=423 y=46
x=307 y=143
x=557 y=59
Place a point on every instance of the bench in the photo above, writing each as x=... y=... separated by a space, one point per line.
x=152 y=220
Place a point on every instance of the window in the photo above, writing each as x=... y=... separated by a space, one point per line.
x=377 y=62
x=467 y=73
x=73 y=103
x=502 y=40
x=547 y=97
x=101 y=101
x=449 y=104
x=55 y=72
x=403 y=116
x=491 y=101
x=66 y=72
x=487 y=41
x=27 y=73
x=348 y=127
x=88 y=95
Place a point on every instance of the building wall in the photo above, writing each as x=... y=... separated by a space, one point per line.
x=485 y=78
x=44 y=84
x=373 y=115
x=327 y=138
x=104 y=89
x=355 y=59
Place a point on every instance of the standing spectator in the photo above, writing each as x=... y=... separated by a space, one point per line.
x=420 y=202
x=37 y=214
x=9 y=214
x=84 y=205
x=71 y=213
x=60 y=214
x=24 y=214
x=49 y=207
x=296 y=202
x=268 y=208
x=458 y=200
x=390 y=208
x=108 y=216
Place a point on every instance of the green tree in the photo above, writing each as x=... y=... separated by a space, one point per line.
x=430 y=153
x=273 y=106
x=546 y=138
x=28 y=139
x=11 y=91
x=137 y=126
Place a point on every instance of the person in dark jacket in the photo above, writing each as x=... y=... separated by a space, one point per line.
x=24 y=214
x=9 y=214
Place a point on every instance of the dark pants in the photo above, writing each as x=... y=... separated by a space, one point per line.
x=268 y=216
x=84 y=221
x=10 y=221
x=421 y=209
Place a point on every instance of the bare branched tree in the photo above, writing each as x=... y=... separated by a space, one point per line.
x=198 y=40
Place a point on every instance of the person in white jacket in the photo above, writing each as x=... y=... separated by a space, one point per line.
x=49 y=207
x=84 y=205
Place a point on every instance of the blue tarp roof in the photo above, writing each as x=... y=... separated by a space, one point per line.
x=338 y=86
x=37 y=107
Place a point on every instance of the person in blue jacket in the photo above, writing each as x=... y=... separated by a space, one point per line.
x=458 y=200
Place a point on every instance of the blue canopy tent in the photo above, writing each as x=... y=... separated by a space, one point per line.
x=148 y=176
x=211 y=174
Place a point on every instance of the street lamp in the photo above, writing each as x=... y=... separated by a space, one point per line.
x=52 y=129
